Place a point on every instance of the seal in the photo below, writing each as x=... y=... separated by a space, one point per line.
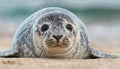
x=53 y=32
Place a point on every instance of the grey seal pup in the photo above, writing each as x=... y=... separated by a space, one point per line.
x=53 y=32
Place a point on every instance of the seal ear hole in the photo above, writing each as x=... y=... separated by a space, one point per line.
x=44 y=27
x=69 y=27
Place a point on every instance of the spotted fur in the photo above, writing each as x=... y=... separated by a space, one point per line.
x=53 y=33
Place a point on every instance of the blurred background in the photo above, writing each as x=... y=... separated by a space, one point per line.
x=102 y=18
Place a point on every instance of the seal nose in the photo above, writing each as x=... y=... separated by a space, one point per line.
x=57 y=37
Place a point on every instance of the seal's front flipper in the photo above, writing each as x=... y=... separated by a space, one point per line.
x=99 y=54
x=9 y=53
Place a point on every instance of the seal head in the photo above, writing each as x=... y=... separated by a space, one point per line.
x=56 y=32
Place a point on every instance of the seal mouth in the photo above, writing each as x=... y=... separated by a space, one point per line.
x=57 y=46
x=54 y=47
x=63 y=43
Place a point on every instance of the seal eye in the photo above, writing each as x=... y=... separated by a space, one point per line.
x=69 y=27
x=44 y=27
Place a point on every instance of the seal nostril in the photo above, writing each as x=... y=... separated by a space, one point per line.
x=57 y=37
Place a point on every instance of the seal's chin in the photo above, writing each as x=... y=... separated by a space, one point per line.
x=57 y=49
x=58 y=46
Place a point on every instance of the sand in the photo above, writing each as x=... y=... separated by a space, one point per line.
x=37 y=63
